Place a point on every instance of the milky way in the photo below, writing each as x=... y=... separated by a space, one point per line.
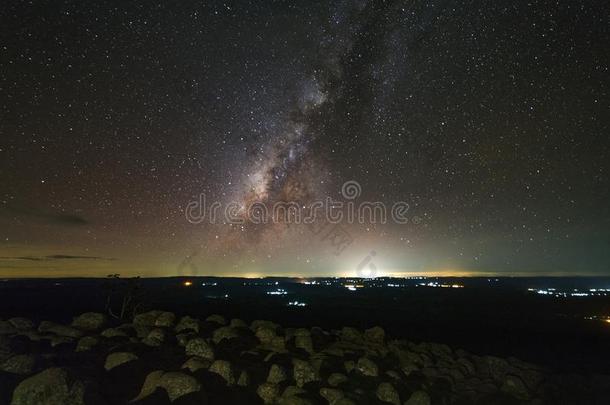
x=489 y=119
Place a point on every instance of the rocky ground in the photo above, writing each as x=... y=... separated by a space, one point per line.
x=162 y=359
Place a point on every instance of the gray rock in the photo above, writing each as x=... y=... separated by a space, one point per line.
x=244 y=379
x=176 y=384
x=278 y=344
x=86 y=343
x=268 y=392
x=225 y=332
x=336 y=379
x=60 y=340
x=257 y=324
x=187 y=323
x=21 y=323
x=375 y=335
x=293 y=391
x=113 y=332
x=116 y=359
x=165 y=320
x=155 y=338
x=367 y=367
x=142 y=331
x=419 y=398
x=19 y=364
x=219 y=319
x=7 y=328
x=351 y=335
x=304 y=342
x=183 y=338
x=224 y=369
x=332 y=395
x=50 y=387
x=265 y=334
x=277 y=374
x=5 y=348
x=345 y=401
x=238 y=323
x=294 y=400
x=90 y=321
x=200 y=348
x=59 y=330
x=154 y=318
x=387 y=393
x=196 y=363
x=303 y=372
x=515 y=387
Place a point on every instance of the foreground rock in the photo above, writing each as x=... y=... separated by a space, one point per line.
x=155 y=359
x=50 y=387
x=175 y=384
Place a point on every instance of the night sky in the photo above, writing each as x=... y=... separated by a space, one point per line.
x=489 y=118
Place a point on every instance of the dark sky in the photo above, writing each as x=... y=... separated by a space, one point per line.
x=490 y=119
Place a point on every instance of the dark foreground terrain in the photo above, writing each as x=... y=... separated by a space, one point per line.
x=160 y=359
x=496 y=341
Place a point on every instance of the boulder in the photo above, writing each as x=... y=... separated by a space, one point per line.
x=165 y=319
x=238 y=323
x=183 y=338
x=200 y=348
x=155 y=338
x=219 y=319
x=176 y=384
x=375 y=335
x=387 y=393
x=268 y=392
x=224 y=369
x=59 y=330
x=265 y=334
x=303 y=372
x=186 y=323
x=367 y=367
x=154 y=318
x=60 y=340
x=50 y=387
x=7 y=328
x=90 y=321
x=352 y=335
x=515 y=387
x=304 y=342
x=336 y=379
x=277 y=374
x=195 y=363
x=244 y=379
x=332 y=395
x=257 y=324
x=19 y=364
x=113 y=332
x=419 y=398
x=86 y=343
x=225 y=332
x=116 y=359
x=21 y=323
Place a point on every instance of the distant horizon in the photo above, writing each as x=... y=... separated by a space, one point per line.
x=473 y=276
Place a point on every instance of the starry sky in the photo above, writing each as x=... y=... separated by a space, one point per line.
x=490 y=119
